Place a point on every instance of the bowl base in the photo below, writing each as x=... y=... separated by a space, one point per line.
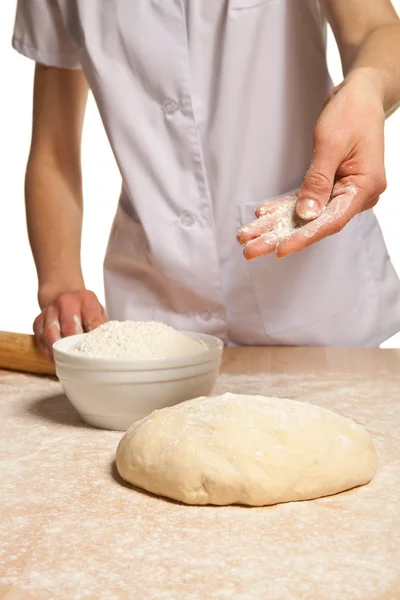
x=113 y=423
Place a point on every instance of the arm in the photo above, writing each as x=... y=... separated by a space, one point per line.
x=53 y=186
x=347 y=174
x=53 y=191
x=367 y=33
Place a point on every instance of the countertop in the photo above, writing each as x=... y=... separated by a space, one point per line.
x=71 y=529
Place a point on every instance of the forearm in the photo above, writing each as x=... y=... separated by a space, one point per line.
x=53 y=186
x=368 y=36
x=378 y=56
x=54 y=219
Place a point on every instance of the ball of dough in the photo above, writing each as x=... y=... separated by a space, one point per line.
x=253 y=450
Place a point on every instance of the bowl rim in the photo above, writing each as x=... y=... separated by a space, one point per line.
x=64 y=358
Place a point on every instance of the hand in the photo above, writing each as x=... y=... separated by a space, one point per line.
x=68 y=314
x=346 y=176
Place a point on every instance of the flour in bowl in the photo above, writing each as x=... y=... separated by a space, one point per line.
x=137 y=339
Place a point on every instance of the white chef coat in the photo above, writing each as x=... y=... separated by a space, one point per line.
x=209 y=106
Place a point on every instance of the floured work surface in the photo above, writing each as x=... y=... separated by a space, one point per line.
x=70 y=529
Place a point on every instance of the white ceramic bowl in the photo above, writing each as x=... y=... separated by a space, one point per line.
x=113 y=393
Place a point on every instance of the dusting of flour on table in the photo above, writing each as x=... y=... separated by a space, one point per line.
x=137 y=339
x=69 y=529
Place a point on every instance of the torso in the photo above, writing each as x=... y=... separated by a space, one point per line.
x=210 y=107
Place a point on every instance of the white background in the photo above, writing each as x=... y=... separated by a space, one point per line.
x=18 y=305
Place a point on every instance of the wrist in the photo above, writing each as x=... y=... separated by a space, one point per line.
x=49 y=291
x=372 y=80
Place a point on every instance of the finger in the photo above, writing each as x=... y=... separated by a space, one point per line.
x=256 y=228
x=344 y=206
x=318 y=182
x=51 y=328
x=283 y=219
x=69 y=307
x=264 y=244
x=270 y=207
x=92 y=312
x=38 y=331
x=340 y=210
x=370 y=204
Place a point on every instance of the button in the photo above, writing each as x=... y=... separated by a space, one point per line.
x=205 y=315
x=170 y=107
x=187 y=219
x=205 y=213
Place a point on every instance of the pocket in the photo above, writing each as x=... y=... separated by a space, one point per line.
x=247 y=4
x=322 y=281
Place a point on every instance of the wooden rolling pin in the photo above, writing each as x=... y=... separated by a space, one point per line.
x=19 y=352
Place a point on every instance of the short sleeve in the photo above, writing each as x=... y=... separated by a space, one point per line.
x=40 y=34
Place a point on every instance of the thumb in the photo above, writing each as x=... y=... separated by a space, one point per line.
x=317 y=185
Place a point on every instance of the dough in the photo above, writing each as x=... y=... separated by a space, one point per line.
x=254 y=450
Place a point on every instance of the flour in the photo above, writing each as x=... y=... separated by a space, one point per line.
x=287 y=222
x=137 y=339
x=77 y=517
